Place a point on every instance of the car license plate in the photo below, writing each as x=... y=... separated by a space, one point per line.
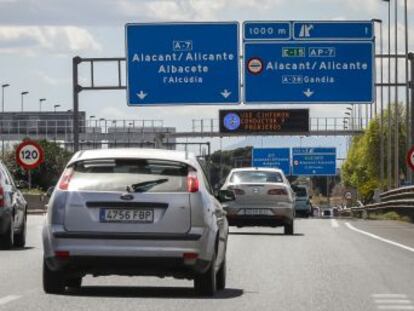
x=257 y=212
x=126 y=215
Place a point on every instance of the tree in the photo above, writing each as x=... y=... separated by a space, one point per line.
x=361 y=169
x=48 y=173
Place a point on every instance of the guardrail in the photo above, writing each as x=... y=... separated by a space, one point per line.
x=400 y=201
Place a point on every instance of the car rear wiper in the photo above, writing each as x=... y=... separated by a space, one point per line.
x=146 y=185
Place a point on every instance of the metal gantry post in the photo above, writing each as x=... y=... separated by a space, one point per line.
x=411 y=58
x=76 y=89
x=389 y=121
x=407 y=92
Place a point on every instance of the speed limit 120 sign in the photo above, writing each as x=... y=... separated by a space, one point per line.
x=29 y=155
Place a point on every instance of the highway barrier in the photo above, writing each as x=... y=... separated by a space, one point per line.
x=400 y=201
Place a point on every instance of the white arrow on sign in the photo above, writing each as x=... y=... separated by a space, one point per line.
x=225 y=93
x=142 y=95
x=308 y=93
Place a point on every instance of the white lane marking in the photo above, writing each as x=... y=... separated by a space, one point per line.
x=8 y=299
x=379 y=238
x=334 y=223
x=389 y=296
x=393 y=301
x=396 y=307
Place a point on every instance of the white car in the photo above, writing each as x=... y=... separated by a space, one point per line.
x=134 y=212
x=264 y=197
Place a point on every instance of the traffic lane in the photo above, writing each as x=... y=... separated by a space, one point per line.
x=19 y=267
x=400 y=232
x=390 y=266
x=267 y=270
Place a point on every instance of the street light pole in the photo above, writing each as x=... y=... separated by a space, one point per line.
x=41 y=100
x=397 y=136
x=389 y=140
x=379 y=21
x=54 y=108
x=3 y=86
x=22 y=95
x=407 y=91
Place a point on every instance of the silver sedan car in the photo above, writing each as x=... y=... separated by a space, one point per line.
x=263 y=198
x=134 y=212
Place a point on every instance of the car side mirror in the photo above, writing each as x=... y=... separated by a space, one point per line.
x=226 y=196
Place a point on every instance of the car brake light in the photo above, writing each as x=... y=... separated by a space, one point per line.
x=190 y=256
x=1 y=196
x=277 y=192
x=65 y=179
x=193 y=184
x=62 y=254
x=238 y=191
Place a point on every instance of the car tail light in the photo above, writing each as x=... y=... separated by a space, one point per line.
x=238 y=191
x=193 y=183
x=62 y=254
x=1 y=196
x=277 y=192
x=65 y=179
x=190 y=256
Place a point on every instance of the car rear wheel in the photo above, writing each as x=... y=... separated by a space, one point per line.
x=289 y=229
x=7 y=240
x=20 y=238
x=221 y=276
x=205 y=284
x=53 y=281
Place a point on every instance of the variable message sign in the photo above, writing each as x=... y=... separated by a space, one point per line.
x=254 y=121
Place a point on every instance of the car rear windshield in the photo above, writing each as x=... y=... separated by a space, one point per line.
x=135 y=175
x=256 y=177
x=300 y=191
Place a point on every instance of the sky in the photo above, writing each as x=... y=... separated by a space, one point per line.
x=38 y=39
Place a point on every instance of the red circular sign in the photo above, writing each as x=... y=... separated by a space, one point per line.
x=255 y=65
x=29 y=155
x=410 y=158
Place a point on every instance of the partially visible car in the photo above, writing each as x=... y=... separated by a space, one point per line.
x=302 y=201
x=143 y=212
x=263 y=198
x=13 y=212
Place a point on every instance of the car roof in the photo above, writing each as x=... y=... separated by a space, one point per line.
x=250 y=169
x=132 y=153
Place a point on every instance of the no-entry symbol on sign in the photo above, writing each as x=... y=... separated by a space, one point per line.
x=255 y=66
x=410 y=158
x=29 y=155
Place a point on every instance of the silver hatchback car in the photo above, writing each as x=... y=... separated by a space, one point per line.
x=264 y=197
x=131 y=212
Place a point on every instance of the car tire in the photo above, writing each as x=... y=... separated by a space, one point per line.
x=53 y=281
x=205 y=284
x=74 y=283
x=221 y=276
x=289 y=229
x=7 y=240
x=20 y=238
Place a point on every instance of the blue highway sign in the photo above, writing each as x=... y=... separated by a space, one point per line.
x=272 y=158
x=267 y=31
x=333 y=31
x=314 y=161
x=182 y=63
x=308 y=71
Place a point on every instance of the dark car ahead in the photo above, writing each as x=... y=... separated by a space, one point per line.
x=13 y=212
